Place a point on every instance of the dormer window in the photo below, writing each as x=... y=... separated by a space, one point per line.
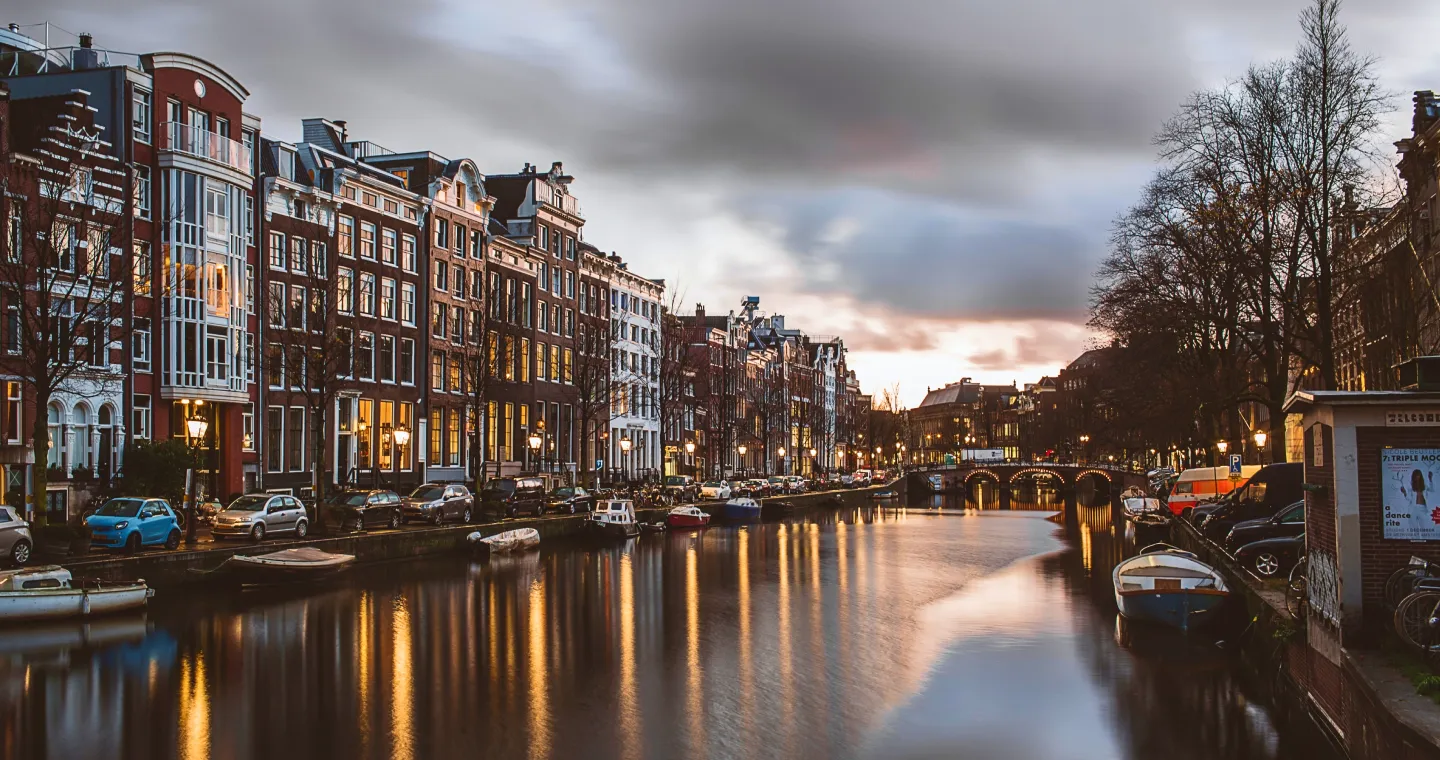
x=459 y=195
x=286 y=161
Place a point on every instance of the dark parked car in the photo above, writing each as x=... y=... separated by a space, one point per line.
x=358 y=510
x=572 y=499
x=437 y=502
x=511 y=496
x=1199 y=512
x=682 y=487
x=1272 y=557
x=1289 y=521
x=1273 y=488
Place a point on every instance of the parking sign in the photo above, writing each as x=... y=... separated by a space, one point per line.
x=1234 y=465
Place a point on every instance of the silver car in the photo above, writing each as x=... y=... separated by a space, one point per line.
x=258 y=515
x=16 y=542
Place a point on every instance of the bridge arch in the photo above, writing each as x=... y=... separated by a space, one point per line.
x=1018 y=474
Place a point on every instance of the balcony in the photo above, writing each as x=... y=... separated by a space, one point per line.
x=206 y=145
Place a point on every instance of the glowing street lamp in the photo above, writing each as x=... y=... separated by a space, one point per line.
x=625 y=444
x=1223 y=446
x=690 y=452
x=197 y=426
x=401 y=437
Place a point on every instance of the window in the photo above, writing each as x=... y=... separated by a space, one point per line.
x=544 y=276
x=544 y=237
x=387 y=358
x=554 y=363
x=442 y=276
x=570 y=323
x=541 y=356
x=370 y=199
x=140 y=344
x=365 y=356
x=437 y=370
x=512 y=301
x=387 y=298
x=524 y=360
x=442 y=233
x=345 y=236
x=525 y=295
x=367 y=240
x=247 y=428
x=297 y=307
x=367 y=294
x=298 y=261
x=457 y=324
x=407 y=303
x=12 y=330
x=509 y=358
x=295 y=439
x=139 y=417
x=456 y=373
x=477 y=325
x=555 y=318
x=452 y=439
x=569 y=284
x=345 y=290
x=544 y=318
x=477 y=285
x=457 y=282
x=570 y=248
x=391 y=207
x=476 y=244
x=555 y=281
x=364 y=419
x=437 y=432
x=286 y=163
x=407 y=361
x=277 y=251
x=438 y=320
x=143 y=274
x=275 y=366
x=460 y=235
x=141 y=114
x=566 y=363
x=249 y=286
x=346 y=338
x=388 y=246
x=142 y=191
x=274 y=439
x=407 y=253
x=317 y=258
x=276 y=307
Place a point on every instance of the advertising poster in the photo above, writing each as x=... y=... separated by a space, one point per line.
x=1408 y=496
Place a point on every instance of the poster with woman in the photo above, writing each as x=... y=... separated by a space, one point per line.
x=1409 y=499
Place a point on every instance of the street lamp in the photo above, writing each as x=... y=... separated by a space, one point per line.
x=625 y=444
x=197 y=426
x=535 y=442
x=690 y=452
x=401 y=436
x=1223 y=446
x=1260 y=438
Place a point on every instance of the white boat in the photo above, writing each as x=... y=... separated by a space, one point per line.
x=285 y=566
x=613 y=518
x=1145 y=511
x=47 y=592
x=517 y=540
x=1165 y=585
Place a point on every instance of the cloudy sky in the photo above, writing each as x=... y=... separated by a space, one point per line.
x=934 y=181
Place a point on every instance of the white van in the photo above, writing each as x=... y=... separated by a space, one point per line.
x=1198 y=485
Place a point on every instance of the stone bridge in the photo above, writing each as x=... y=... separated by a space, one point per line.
x=959 y=478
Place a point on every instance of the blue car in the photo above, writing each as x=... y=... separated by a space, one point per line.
x=130 y=523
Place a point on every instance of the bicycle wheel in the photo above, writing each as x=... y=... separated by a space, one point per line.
x=1400 y=584
x=1297 y=592
x=1412 y=618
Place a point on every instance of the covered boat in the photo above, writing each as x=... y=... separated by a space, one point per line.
x=48 y=592
x=687 y=517
x=741 y=509
x=885 y=494
x=285 y=566
x=511 y=541
x=1146 y=512
x=613 y=518
x=1165 y=585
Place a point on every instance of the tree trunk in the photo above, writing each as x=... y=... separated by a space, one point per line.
x=317 y=467
x=40 y=445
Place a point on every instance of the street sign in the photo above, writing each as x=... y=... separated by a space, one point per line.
x=1234 y=466
x=599 y=463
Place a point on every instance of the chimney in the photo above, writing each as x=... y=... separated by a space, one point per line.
x=86 y=57
x=86 y=41
x=1425 y=111
x=526 y=170
x=14 y=27
x=557 y=168
x=343 y=131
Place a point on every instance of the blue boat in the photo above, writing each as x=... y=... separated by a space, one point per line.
x=1168 y=586
x=740 y=509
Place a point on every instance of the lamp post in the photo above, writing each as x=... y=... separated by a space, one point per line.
x=401 y=437
x=742 y=449
x=690 y=452
x=534 y=441
x=1260 y=438
x=197 y=426
x=1084 y=448
x=780 y=452
x=813 y=468
x=625 y=444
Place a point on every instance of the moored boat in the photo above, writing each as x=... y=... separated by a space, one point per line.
x=48 y=592
x=885 y=494
x=740 y=509
x=613 y=518
x=508 y=542
x=655 y=527
x=687 y=517
x=1145 y=512
x=305 y=563
x=1165 y=585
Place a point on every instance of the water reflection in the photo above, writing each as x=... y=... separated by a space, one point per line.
x=863 y=633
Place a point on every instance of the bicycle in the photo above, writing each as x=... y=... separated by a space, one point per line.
x=1417 y=619
x=1402 y=582
x=1297 y=591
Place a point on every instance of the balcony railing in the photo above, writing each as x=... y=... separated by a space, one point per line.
x=201 y=143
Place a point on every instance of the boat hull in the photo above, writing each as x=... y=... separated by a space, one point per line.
x=739 y=513
x=687 y=521
x=1185 y=609
x=70 y=602
x=612 y=531
x=511 y=541
x=252 y=571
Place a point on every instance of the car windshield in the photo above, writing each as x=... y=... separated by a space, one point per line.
x=507 y=486
x=248 y=503
x=563 y=493
x=713 y=484
x=428 y=493
x=675 y=480
x=776 y=479
x=120 y=508
x=348 y=499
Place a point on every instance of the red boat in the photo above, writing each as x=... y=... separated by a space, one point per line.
x=687 y=517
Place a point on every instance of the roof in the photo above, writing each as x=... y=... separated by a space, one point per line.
x=1301 y=400
x=962 y=392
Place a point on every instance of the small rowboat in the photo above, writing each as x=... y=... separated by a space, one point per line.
x=1168 y=586
x=886 y=494
x=46 y=592
x=511 y=541
x=655 y=527
x=305 y=563
x=741 y=509
x=1146 y=512
x=687 y=517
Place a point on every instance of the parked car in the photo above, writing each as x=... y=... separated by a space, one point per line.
x=572 y=499
x=511 y=496
x=715 y=489
x=847 y=479
x=1272 y=488
x=778 y=484
x=1289 y=521
x=759 y=488
x=1199 y=512
x=1272 y=557
x=359 y=509
x=257 y=515
x=682 y=487
x=437 y=502
x=132 y=522
x=16 y=543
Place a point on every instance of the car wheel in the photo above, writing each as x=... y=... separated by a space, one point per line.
x=20 y=552
x=257 y=533
x=358 y=525
x=172 y=541
x=1266 y=564
x=572 y=507
x=465 y=516
x=132 y=543
x=395 y=521
x=302 y=529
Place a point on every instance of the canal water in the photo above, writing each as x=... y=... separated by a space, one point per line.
x=925 y=632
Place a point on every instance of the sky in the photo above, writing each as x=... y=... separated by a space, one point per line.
x=933 y=181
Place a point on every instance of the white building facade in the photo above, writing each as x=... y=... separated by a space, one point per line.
x=635 y=312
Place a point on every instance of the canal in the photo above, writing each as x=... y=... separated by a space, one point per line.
x=932 y=631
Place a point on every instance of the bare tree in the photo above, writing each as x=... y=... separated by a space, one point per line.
x=593 y=375
x=66 y=281
x=481 y=364
x=764 y=398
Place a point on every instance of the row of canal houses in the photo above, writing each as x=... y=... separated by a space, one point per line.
x=331 y=306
